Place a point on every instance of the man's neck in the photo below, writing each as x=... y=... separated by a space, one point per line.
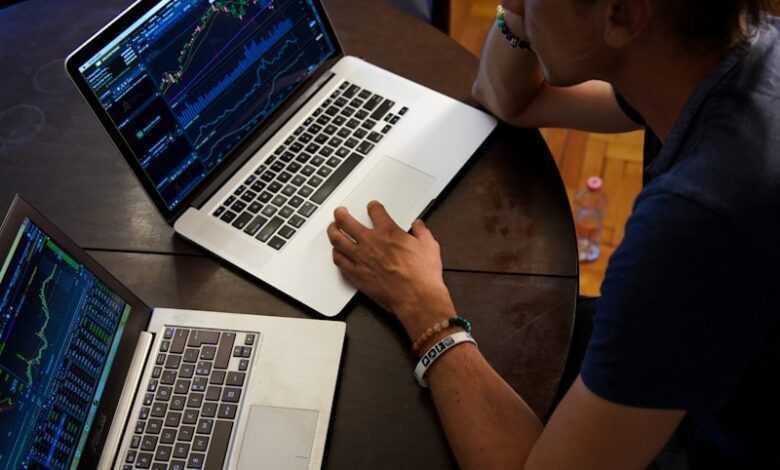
x=658 y=86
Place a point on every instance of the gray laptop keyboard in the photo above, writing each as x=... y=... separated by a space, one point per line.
x=191 y=403
x=275 y=202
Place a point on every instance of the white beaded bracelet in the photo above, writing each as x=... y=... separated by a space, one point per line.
x=437 y=351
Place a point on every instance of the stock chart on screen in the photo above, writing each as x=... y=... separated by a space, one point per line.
x=188 y=82
x=59 y=331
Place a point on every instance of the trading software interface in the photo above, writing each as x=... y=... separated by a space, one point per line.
x=59 y=331
x=191 y=79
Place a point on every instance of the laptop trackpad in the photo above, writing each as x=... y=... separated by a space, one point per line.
x=279 y=438
x=404 y=191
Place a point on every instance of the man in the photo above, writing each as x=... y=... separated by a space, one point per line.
x=687 y=328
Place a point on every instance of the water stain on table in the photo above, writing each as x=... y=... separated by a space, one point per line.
x=51 y=79
x=20 y=124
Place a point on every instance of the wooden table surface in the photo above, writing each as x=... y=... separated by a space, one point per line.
x=504 y=225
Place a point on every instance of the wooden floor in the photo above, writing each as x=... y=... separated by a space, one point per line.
x=616 y=158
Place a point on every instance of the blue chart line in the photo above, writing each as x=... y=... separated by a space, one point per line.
x=262 y=113
x=264 y=64
x=252 y=53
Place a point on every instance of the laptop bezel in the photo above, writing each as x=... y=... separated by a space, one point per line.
x=138 y=320
x=124 y=20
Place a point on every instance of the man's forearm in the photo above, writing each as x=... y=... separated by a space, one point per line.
x=508 y=78
x=487 y=424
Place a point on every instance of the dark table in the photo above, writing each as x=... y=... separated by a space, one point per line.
x=504 y=225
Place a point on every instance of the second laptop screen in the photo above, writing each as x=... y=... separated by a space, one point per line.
x=60 y=327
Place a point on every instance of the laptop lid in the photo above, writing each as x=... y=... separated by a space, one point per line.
x=183 y=86
x=68 y=331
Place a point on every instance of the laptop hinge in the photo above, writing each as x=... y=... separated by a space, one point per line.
x=122 y=414
x=260 y=140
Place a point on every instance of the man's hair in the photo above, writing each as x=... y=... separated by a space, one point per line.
x=716 y=23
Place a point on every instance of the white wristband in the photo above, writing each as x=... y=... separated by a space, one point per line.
x=437 y=351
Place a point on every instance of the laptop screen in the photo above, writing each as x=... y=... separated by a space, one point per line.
x=60 y=328
x=189 y=80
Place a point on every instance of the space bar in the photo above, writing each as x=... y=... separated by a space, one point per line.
x=219 y=445
x=336 y=178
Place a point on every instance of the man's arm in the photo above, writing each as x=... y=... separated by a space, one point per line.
x=510 y=84
x=488 y=425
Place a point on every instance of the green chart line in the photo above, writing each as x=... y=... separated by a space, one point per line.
x=40 y=333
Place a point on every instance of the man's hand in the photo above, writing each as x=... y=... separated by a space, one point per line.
x=401 y=272
x=515 y=6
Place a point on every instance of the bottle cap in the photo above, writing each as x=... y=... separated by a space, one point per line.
x=595 y=183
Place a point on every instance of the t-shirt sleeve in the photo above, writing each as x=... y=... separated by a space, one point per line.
x=629 y=110
x=668 y=332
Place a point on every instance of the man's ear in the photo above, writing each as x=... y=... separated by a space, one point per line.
x=625 y=20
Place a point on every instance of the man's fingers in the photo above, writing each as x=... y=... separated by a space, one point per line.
x=349 y=224
x=343 y=263
x=421 y=231
x=346 y=266
x=340 y=241
x=379 y=216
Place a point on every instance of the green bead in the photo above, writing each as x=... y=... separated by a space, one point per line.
x=461 y=322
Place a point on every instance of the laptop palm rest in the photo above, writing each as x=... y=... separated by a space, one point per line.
x=278 y=438
x=403 y=190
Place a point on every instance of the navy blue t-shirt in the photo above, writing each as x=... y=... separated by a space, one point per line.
x=689 y=316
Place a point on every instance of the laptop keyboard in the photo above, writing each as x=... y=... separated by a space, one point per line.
x=287 y=189
x=191 y=403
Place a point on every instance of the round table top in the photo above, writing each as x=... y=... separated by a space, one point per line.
x=504 y=225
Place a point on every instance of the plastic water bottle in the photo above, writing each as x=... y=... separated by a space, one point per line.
x=589 y=205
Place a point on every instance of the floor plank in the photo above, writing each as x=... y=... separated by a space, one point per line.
x=629 y=152
x=573 y=158
x=613 y=175
x=593 y=164
x=556 y=141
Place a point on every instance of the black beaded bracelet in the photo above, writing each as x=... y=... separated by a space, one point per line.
x=514 y=41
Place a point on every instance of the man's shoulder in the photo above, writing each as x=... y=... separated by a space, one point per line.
x=664 y=231
x=660 y=285
x=731 y=138
x=667 y=308
x=742 y=110
x=730 y=163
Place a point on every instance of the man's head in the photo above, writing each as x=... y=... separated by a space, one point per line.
x=578 y=40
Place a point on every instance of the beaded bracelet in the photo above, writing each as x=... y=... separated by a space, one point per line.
x=514 y=41
x=439 y=327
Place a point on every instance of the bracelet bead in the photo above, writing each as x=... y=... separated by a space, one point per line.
x=443 y=325
x=514 y=41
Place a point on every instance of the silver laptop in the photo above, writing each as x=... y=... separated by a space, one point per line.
x=90 y=377
x=248 y=126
